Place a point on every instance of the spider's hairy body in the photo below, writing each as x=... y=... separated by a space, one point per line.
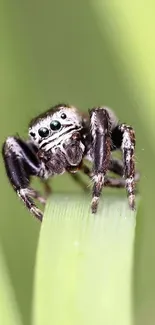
x=60 y=140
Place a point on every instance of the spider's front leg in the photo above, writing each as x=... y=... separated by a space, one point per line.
x=128 y=148
x=101 y=149
x=21 y=162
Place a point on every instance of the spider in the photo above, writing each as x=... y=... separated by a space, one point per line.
x=60 y=140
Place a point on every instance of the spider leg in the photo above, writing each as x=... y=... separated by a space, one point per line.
x=45 y=182
x=118 y=182
x=108 y=181
x=116 y=166
x=114 y=182
x=21 y=162
x=101 y=147
x=25 y=197
x=35 y=195
x=128 y=148
x=111 y=181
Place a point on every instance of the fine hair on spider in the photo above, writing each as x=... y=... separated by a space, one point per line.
x=61 y=140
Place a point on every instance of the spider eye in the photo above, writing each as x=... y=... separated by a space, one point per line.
x=43 y=132
x=63 y=115
x=55 y=125
x=32 y=134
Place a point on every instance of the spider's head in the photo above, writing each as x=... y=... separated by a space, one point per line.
x=55 y=126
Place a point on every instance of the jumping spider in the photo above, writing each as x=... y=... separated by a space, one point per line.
x=60 y=139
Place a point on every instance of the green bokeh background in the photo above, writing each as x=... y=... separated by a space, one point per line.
x=85 y=53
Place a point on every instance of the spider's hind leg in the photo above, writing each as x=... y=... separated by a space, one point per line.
x=21 y=162
x=126 y=136
x=116 y=166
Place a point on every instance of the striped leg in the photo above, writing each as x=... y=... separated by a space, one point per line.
x=128 y=148
x=21 y=162
x=101 y=145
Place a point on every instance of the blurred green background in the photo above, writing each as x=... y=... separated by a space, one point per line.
x=85 y=53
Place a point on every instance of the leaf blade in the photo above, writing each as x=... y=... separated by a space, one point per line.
x=84 y=265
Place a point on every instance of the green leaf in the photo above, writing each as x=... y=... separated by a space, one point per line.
x=84 y=263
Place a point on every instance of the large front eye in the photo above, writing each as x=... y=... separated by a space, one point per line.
x=55 y=125
x=43 y=132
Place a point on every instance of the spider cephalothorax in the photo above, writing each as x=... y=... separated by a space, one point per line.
x=60 y=140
